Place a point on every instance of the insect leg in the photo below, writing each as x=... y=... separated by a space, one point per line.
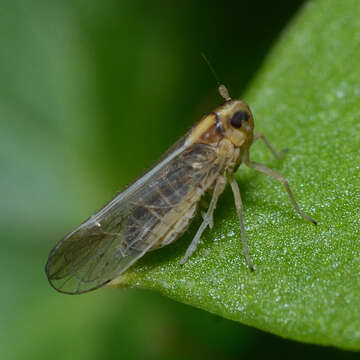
x=264 y=169
x=204 y=204
x=239 y=208
x=207 y=218
x=277 y=155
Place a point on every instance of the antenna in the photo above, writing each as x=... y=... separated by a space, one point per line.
x=223 y=91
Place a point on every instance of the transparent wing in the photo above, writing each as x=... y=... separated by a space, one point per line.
x=131 y=224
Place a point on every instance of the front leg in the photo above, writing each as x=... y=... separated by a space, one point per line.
x=265 y=170
x=277 y=155
x=239 y=209
x=207 y=218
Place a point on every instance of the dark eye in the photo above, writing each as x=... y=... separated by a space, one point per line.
x=238 y=118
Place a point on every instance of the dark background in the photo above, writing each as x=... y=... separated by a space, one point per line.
x=91 y=93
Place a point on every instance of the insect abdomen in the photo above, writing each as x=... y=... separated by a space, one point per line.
x=171 y=201
x=177 y=229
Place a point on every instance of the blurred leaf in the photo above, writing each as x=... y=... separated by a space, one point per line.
x=306 y=285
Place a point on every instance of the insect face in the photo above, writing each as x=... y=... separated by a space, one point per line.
x=237 y=121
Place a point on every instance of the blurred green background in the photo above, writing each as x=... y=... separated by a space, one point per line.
x=91 y=93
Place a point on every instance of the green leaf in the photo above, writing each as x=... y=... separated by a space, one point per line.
x=306 y=282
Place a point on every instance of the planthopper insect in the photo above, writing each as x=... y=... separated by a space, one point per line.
x=158 y=207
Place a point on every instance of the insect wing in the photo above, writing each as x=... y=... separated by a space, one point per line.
x=110 y=241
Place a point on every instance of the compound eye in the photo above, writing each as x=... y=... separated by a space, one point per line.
x=238 y=118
